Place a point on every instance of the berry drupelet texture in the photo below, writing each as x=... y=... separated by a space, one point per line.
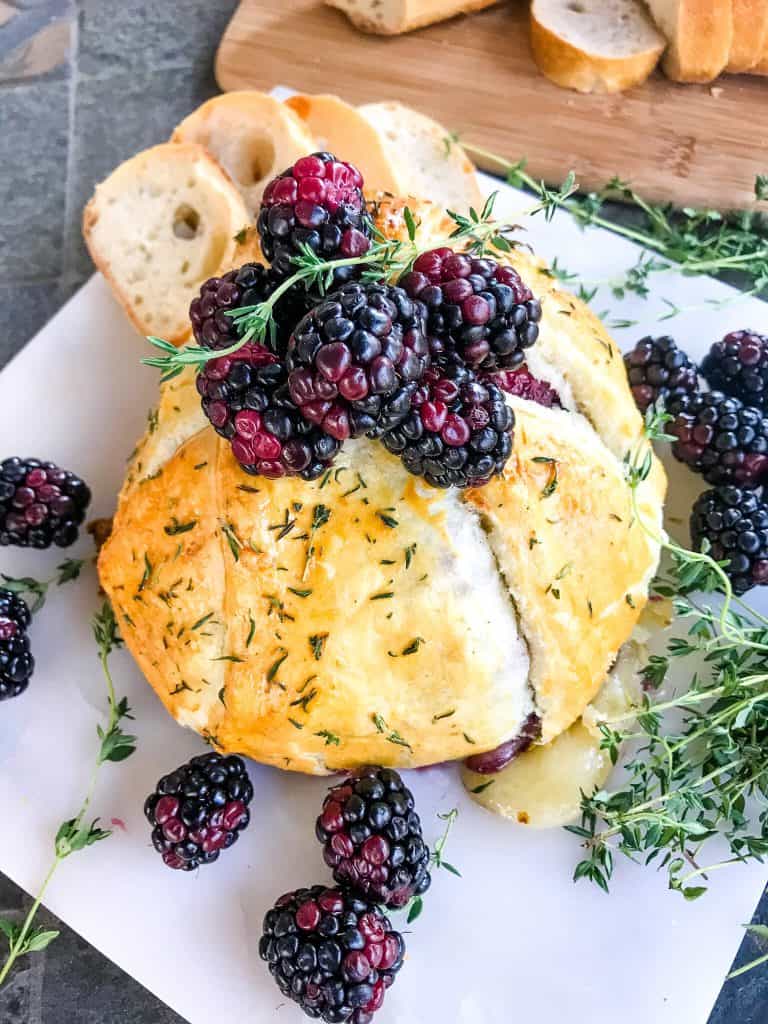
x=16 y=662
x=720 y=438
x=318 y=202
x=332 y=953
x=40 y=504
x=246 y=398
x=476 y=309
x=372 y=837
x=459 y=433
x=738 y=366
x=658 y=369
x=199 y=810
x=356 y=360
x=735 y=524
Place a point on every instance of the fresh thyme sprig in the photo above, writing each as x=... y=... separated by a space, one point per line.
x=690 y=240
x=77 y=833
x=34 y=591
x=437 y=860
x=701 y=767
x=386 y=259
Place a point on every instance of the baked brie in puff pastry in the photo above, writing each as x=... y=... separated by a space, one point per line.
x=369 y=618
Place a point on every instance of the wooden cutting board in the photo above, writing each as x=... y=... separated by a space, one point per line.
x=694 y=145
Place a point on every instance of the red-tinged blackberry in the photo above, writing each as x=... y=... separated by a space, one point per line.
x=245 y=396
x=738 y=366
x=372 y=837
x=199 y=810
x=477 y=308
x=523 y=384
x=16 y=662
x=493 y=761
x=332 y=953
x=735 y=523
x=459 y=433
x=40 y=504
x=318 y=202
x=356 y=360
x=721 y=438
x=657 y=368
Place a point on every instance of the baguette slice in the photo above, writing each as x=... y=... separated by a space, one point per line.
x=393 y=17
x=761 y=67
x=340 y=129
x=253 y=136
x=432 y=166
x=700 y=34
x=750 y=34
x=160 y=225
x=594 y=46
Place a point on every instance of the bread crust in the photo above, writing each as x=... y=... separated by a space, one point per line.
x=573 y=68
x=699 y=40
x=750 y=35
x=300 y=660
x=415 y=14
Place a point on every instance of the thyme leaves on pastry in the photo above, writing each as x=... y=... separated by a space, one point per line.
x=320 y=516
x=77 y=833
x=700 y=766
x=317 y=644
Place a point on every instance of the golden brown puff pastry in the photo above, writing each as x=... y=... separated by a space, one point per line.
x=367 y=617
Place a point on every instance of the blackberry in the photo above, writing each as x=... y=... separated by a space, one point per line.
x=249 y=285
x=199 y=810
x=523 y=384
x=372 y=837
x=331 y=952
x=16 y=663
x=245 y=396
x=735 y=523
x=356 y=360
x=40 y=504
x=477 y=308
x=657 y=368
x=459 y=433
x=721 y=438
x=317 y=203
x=738 y=366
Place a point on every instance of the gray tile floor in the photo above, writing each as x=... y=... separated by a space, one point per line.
x=83 y=85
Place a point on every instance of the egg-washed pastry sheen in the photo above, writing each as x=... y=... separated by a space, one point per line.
x=368 y=618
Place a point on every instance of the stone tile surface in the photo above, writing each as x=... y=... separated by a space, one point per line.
x=24 y=309
x=33 y=171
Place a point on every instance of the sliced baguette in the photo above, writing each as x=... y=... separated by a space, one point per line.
x=601 y=46
x=342 y=130
x=253 y=136
x=393 y=17
x=159 y=225
x=761 y=67
x=700 y=34
x=750 y=34
x=432 y=166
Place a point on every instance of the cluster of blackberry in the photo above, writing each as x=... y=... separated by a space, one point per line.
x=422 y=365
x=722 y=434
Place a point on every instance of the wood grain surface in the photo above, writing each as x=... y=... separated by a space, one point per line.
x=697 y=145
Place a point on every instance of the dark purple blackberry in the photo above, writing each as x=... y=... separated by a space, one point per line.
x=249 y=285
x=318 y=202
x=657 y=368
x=245 y=396
x=476 y=308
x=459 y=433
x=372 y=837
x=356 y=360
x=738 y=366
x=719 y=437
x=40 y=504
x=199 y=810
x=735 y=523
x=332 y=953
x=16 y=663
